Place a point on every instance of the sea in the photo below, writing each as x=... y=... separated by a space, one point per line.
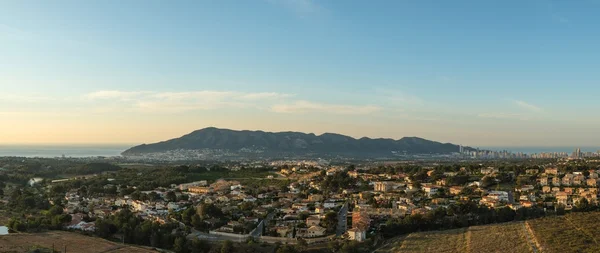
x=534 y=150
x=79 y=151
x=51 y=151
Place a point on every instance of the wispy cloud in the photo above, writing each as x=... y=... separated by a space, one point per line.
x=115 y=94
x=148 y=101
x=397 y=97
x=303 y=106
x=528 y=106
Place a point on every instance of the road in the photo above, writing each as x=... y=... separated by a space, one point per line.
x=257 y=232
x=342 y=226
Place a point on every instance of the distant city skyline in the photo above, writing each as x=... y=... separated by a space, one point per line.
x=476 y=73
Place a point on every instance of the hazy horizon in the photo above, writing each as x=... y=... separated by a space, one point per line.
x=460 y=72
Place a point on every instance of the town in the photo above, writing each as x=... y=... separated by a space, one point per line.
x=299 y=203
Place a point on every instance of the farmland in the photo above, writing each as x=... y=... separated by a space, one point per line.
x=74 y=242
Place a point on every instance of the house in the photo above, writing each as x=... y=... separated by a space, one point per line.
x=590 y=196
x=525 y=188
x=430 y=190
x=199 y=189
x=315 y=197
x=578 y=179
x=312 y=220
x=567 y=179
x=329 y=204
x=83 y=226
x=527 y=204
x=455 y=190
x=320 y=210
x=489 y=201
x=551 y=171
x=531 y=171
x=357 y=234
x=441 y=182
x=282 y=231
x=315 y=231
x=331 y=172
x=249 y=199
x=34 y=181
x=421 y=211
x=173 y=206
x=556 y=181
x=544 y=181
x=353 y=174
x=546 y=189
x=184 y=187
x=499 y=195
x=562 y=198
x=591 y=182
x=450 y=174
x=383 y=186
x=223 y=198
x=489 y=170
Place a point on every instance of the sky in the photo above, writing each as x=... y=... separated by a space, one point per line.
x=478 y=73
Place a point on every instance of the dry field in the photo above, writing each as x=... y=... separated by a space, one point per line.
x=507 y=237
x=570 y=233
x=74 y=242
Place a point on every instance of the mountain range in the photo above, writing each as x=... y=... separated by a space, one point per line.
x=294 y=144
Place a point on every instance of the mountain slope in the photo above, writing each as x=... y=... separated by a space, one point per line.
x=295 y=143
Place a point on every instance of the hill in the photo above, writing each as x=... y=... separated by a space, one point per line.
x=294 y=144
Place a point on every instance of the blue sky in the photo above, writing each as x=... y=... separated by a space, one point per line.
x=487 y=73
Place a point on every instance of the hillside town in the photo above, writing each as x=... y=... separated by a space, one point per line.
x=314 y=203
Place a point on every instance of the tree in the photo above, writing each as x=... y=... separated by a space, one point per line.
x=330 y=222
x=179 y=245
x=187 y=214
x=487 y=181
x=171 y=196
x=197 y=222
x=136 y=195
x=583 y=205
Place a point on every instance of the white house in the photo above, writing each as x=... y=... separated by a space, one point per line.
x=357 y=234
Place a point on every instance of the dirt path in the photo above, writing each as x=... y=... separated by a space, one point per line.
x=530 y=238
x=468 y=241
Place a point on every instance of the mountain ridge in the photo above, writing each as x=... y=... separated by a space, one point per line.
x=290 y=142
